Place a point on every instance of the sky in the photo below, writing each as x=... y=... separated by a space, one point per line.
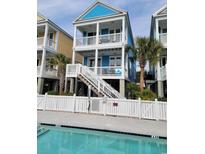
x=64 y=12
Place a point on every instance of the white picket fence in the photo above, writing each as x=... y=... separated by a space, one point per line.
x=107 y=106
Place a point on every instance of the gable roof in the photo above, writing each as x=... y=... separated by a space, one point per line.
x=161 y=11
x=97 y=10
x=43 y=19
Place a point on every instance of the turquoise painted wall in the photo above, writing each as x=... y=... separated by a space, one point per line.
x=85 y=60
x=105 y=60
x=98 y=11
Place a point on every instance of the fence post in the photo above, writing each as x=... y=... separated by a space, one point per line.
x=74 y=102
x=45 y=102
x=156 y=109
x=104 y=105
x=139 y=107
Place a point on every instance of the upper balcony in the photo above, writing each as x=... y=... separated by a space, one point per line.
x=51 y=35
x=50 y=43
x=100 y=34
x=162 y=31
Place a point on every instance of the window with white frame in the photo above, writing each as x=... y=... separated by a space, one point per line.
x=115 y=61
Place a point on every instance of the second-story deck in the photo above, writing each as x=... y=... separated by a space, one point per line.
x=100 y=34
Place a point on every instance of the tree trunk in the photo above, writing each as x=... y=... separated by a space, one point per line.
x=141 y=79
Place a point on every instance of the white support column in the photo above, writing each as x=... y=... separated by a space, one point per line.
x=97 y=33
x=96 y=60
x=157 y=29
x=57 y=40
x=158 y=70
x=73 y=57
x=123 y=61
x=74 y=36
x=43 y=60
x=123 y=30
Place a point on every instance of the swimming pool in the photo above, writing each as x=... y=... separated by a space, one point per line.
x=82 y=141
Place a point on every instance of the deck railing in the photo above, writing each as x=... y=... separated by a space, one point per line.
x=108 y=71
x=47 y=72
x=156 y=110
x=163 y=38
x=50 y=43
x=110 y=38
x=86 y=41
x=103 y=39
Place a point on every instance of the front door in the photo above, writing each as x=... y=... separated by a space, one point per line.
x=92 y=62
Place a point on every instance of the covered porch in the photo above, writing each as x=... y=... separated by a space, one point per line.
x=107 y=63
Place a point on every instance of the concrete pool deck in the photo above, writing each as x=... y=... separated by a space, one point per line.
x=100 y=122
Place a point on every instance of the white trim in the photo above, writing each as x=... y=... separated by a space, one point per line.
x=160 y=10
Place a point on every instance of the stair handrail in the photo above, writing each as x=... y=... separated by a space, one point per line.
x=102 y=84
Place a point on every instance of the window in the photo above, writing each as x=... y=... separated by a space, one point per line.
x=38 y=62
x=118 y=61
x=115 y=61
x=118 y=30
x=112 y=31
x=51 y=36
x=164 y=30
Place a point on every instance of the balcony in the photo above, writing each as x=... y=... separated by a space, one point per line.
x=103 y=39
x=163 y=39
x=110 y=71
x=50 y=44
x=48 y=72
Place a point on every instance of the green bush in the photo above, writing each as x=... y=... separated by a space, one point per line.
x=147 y=94
x=134 y=92
x=67 y=94
x=52 y=92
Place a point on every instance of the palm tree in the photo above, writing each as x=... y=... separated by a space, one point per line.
x=146 y=50
x=60 y=60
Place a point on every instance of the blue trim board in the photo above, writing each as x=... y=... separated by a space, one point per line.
x=98 y=11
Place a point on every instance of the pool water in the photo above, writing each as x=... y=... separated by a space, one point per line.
x=81 y=141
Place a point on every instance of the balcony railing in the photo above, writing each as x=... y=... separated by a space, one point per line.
x=110 y=38
x=85 y=41
x=103 y=39
x=108 y=71
x=47 y=72
x=163 y=38
x=50 y=43
x=38 y=70
x=163 y=71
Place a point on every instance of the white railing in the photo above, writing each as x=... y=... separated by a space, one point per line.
x=91 y=40
x=40 y=42
x=38 y=70
x=163 y=72
x=163 y=38
x=73 y=70
x=110 y=38
x=106 y=106
x=108 y=71
x=49 y=43
x=85 y=41
x=47 y=72
x=51 y=72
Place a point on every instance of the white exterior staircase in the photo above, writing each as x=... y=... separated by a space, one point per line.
x=98 y=85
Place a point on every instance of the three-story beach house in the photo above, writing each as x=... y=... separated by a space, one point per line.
x=159 y=32
x=51 y=39
x=101 y=34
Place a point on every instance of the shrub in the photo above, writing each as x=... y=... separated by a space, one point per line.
x=148 y=94
x=52 y=92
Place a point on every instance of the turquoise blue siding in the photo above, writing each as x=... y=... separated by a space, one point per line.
x=85 y=60
x=130 y=39
x=98 y=11
x=105 y=60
